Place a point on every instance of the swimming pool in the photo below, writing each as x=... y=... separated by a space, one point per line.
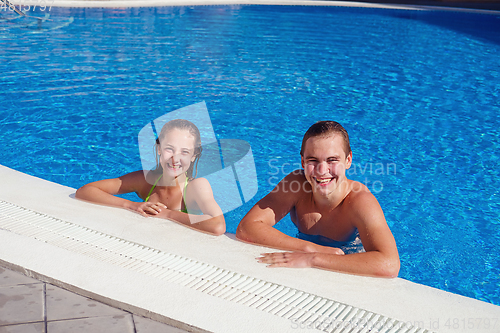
x=418 y=92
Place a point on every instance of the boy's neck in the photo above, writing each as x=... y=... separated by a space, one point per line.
x=333 y=199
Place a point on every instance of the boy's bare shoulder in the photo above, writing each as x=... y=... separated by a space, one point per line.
x=295 y=182
x=361 y=201
x=291 y=189
x=296 y=175
x=359 y=192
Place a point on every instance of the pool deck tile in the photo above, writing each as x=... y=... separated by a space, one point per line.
x=108 y=324
x=145 y=325
x=62 y=304
x=10 y=278
x=21 y=304
x=24 y=328
x=28 y=305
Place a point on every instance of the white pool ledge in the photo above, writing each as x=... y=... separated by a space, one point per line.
x=188 y=308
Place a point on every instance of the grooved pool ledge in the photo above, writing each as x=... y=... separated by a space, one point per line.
x=198 y=282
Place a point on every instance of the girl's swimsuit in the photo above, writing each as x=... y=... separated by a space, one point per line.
x=183 y=194
x=352 y=245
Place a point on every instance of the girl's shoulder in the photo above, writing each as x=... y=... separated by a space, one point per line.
x=150 y=176
x=199 y=186
x=139 y=181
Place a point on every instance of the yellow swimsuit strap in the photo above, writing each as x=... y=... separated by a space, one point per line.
x=152 y=188
x=183 y=194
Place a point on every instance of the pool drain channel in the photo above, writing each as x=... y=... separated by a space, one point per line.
x=302 y=308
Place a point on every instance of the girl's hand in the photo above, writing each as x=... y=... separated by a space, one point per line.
x=148 y=208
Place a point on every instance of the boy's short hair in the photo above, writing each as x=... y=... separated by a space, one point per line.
x=326 y=128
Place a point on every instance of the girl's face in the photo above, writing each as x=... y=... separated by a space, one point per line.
x=176 y=152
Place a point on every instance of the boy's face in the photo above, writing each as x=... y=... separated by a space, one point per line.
x=324 y=162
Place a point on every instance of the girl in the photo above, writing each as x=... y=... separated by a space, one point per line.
x=175 y=193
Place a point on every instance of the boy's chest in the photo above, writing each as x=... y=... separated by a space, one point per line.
x=336 y=224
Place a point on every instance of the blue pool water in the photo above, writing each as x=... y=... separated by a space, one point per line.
x=418 y=92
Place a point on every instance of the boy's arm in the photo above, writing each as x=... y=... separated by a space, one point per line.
x=258 y=224
x=380 y=259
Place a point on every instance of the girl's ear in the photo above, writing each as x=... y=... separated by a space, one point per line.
x=158 y=146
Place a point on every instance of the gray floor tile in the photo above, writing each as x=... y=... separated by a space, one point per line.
x=62 y=304
x=11 y=278
x=111 y=324
x=21 y=304
x=23 y=328
x=145 y=325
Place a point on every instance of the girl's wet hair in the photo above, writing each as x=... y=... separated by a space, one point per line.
x=182 y=124
x=326 y=128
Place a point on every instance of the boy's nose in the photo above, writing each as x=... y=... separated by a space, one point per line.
x=322 y=168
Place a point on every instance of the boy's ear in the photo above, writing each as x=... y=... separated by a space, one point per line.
x=348 y=160
x=302 y=161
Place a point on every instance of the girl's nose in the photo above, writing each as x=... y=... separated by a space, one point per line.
x=176 y=158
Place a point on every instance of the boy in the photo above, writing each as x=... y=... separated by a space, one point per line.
x=324 y=205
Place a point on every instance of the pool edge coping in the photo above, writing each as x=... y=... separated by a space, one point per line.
x=356 y=288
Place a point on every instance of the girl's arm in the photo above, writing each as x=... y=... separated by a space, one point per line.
x=104 y=192
x=212 y=221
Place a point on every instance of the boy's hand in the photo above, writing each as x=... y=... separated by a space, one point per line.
x=291 y=259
